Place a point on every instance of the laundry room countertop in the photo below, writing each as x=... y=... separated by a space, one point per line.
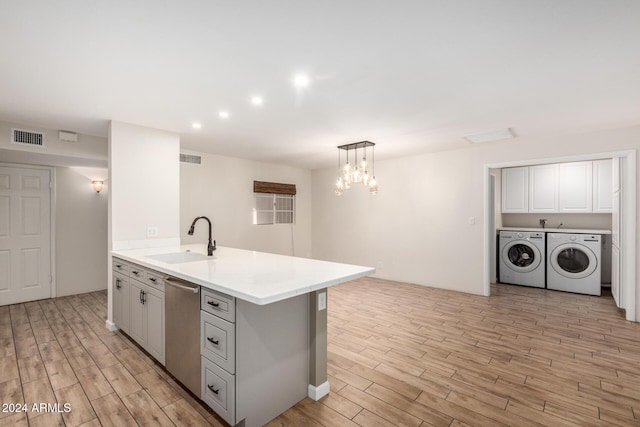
x=557 y=230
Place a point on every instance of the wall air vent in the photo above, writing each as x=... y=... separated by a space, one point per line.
x=188 y=158
x=27 y=137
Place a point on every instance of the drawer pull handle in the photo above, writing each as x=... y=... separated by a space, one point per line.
x=153 y=279
x=213 y=303
x=211 y=340
x=213 y=389
x=135 y=272
x=119 y=265
x=118 y=284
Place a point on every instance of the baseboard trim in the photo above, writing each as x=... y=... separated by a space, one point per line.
x=317 y=393
x=111 y=326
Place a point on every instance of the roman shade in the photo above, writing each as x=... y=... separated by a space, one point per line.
x=274 y=188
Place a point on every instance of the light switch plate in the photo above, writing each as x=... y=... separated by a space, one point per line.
x=322 y=301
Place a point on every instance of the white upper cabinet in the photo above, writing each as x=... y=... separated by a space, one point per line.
x=602 y=186
x=543 y=188
x=515 y=190
x=575 y=187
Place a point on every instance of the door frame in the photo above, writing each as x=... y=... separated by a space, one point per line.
x=52 y=215
x=628 y=212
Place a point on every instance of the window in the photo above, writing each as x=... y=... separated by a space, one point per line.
x=274 y=203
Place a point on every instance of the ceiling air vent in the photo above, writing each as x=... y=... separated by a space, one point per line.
x=27 y=137
x=188 y=158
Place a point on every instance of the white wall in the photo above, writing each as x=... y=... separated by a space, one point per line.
x=81 y=234
x=88 y=148
x=597 y=221
x=416 y=229
x=144 y=176
x=221 y=188
x=80 y=226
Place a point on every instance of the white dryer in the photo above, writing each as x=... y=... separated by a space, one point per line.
x=574 y=262
x=521 y=255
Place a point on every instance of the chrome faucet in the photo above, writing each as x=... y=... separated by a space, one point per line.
x=212 y=244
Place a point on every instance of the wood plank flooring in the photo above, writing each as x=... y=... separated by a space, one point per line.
x=399 y=354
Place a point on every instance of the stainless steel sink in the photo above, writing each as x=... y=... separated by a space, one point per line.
x=180 y=257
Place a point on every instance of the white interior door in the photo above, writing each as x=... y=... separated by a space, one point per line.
x=25 y=234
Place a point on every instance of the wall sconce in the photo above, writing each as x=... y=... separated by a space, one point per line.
x=98 y=185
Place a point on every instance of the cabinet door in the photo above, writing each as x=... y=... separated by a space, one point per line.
x=121 y=306
x=154 y=307
x=615 y=219
x=575 y=187
x=515 y=190
x=543 y=188
x=138 y=324
x=615 y=174
x=615 y=274
x=602 y=186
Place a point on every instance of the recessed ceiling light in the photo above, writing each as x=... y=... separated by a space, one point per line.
x=301 y=80
x=223 y=114
x=494 y=135
x=257 y=100
x=196 y=125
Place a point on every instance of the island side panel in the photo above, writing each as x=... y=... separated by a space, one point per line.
x=272 y=358
x=318 y=382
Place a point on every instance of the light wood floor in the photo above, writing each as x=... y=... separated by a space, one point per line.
x=399 y=354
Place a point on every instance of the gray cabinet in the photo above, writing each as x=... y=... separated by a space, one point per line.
x=217 y=348
x=121 y=307
x=138 y=306
x=255 y=358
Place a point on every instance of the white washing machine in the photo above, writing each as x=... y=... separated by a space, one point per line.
x=521 y=255
x=574 y=262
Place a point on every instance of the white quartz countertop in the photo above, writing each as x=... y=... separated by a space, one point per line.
x=557 y=230
x=258 y=277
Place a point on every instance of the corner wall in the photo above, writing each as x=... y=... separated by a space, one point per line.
x=80 y=234
x=144 y=177
x=144 y=180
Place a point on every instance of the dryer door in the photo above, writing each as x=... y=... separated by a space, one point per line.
x=521 y=256
x=573 y=260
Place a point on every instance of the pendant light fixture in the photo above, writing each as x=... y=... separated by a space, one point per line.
x=358 y=173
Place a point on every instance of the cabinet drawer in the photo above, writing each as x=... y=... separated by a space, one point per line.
x=218 y=304
x=218 y=390
x=155 y=280
x=119 y=280
x=217 y=341
x=121 y=266
x=137 y=272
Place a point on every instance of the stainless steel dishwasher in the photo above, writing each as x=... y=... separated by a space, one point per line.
x=182 y=332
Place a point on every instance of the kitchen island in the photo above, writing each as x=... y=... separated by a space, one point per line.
x=262 y=328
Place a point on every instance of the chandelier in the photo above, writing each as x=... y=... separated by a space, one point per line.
x=358 y=173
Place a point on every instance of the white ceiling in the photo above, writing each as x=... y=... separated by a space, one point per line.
x=411 y=76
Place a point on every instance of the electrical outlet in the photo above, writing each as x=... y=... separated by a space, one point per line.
x=152 y=231
x=472 y=220
x=322 y=301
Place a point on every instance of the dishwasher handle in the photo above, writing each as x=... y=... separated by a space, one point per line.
x=172 y=281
